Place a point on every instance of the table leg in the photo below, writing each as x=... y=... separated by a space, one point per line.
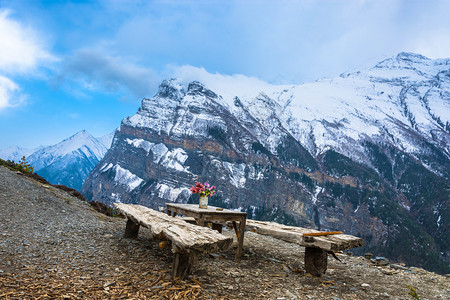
x=217 y=226
x=240 y=240
x=236 y=229
x=201 y=221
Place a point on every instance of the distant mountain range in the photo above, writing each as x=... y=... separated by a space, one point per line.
x=68 y=162
x=366 y=152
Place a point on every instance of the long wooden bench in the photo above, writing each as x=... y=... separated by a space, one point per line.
x=317 y=243
x=187 y=240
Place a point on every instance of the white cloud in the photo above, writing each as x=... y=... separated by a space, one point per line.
x=21 y=49
x=189 y=73
x=224 y=84
x=227 y=86
x=432 y=44
x=21 y=52
x=9 y=96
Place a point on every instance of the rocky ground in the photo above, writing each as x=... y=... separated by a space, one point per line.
x=53 y=245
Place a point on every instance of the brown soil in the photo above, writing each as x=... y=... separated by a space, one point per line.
x=54 y=245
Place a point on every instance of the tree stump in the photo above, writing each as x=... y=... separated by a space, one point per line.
x=131 y=230
x=315 y=261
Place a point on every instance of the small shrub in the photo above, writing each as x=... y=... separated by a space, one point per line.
x=105 y=209
x=22 y=166
x=25 y=165
x=70 y=191
x=412 y=292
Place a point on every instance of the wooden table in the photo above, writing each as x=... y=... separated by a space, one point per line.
x=214 y=215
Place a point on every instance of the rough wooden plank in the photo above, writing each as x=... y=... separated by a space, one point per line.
x=322 y=233
x=185 y=237
x=211 y=210
x=188 y=219
x=294 y=234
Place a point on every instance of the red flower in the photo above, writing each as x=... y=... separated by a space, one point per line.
x=203 y=190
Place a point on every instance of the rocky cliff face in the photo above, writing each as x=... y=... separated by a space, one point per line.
x=366 y=153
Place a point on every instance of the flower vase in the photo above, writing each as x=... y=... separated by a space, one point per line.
x=203 y=202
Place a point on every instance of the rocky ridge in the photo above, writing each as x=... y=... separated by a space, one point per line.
x=56 y=246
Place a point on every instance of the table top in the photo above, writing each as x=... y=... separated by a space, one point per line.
x=211 y=210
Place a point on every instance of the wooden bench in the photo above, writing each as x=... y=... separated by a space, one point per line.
x=317 y=243
x=187 y=240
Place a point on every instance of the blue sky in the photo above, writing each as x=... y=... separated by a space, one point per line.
x=66 y=66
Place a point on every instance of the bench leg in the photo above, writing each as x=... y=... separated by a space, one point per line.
x=182 y=264
x=131 y=230
x=315 y=261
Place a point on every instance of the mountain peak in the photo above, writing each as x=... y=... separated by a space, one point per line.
x=412 y=61
x=80 y=142
x=81 y=134
x=77 y=140
x=198 y=88
x=410 y=56
x=170 y=88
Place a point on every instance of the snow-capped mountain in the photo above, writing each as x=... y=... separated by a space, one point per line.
x=367 y=153
x=15 y=153
x=68 y=162
x=106 y=140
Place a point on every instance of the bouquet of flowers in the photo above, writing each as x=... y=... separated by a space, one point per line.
x=203 y=189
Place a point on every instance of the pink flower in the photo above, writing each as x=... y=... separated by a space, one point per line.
x=203 y=189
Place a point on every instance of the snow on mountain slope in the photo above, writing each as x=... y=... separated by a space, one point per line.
x=68 y=162
x=81 y=143
x=403 y=92
x=407 y=91
x=106 y=140
x=15 y=153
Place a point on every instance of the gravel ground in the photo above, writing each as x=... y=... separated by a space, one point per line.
x=53 y=245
